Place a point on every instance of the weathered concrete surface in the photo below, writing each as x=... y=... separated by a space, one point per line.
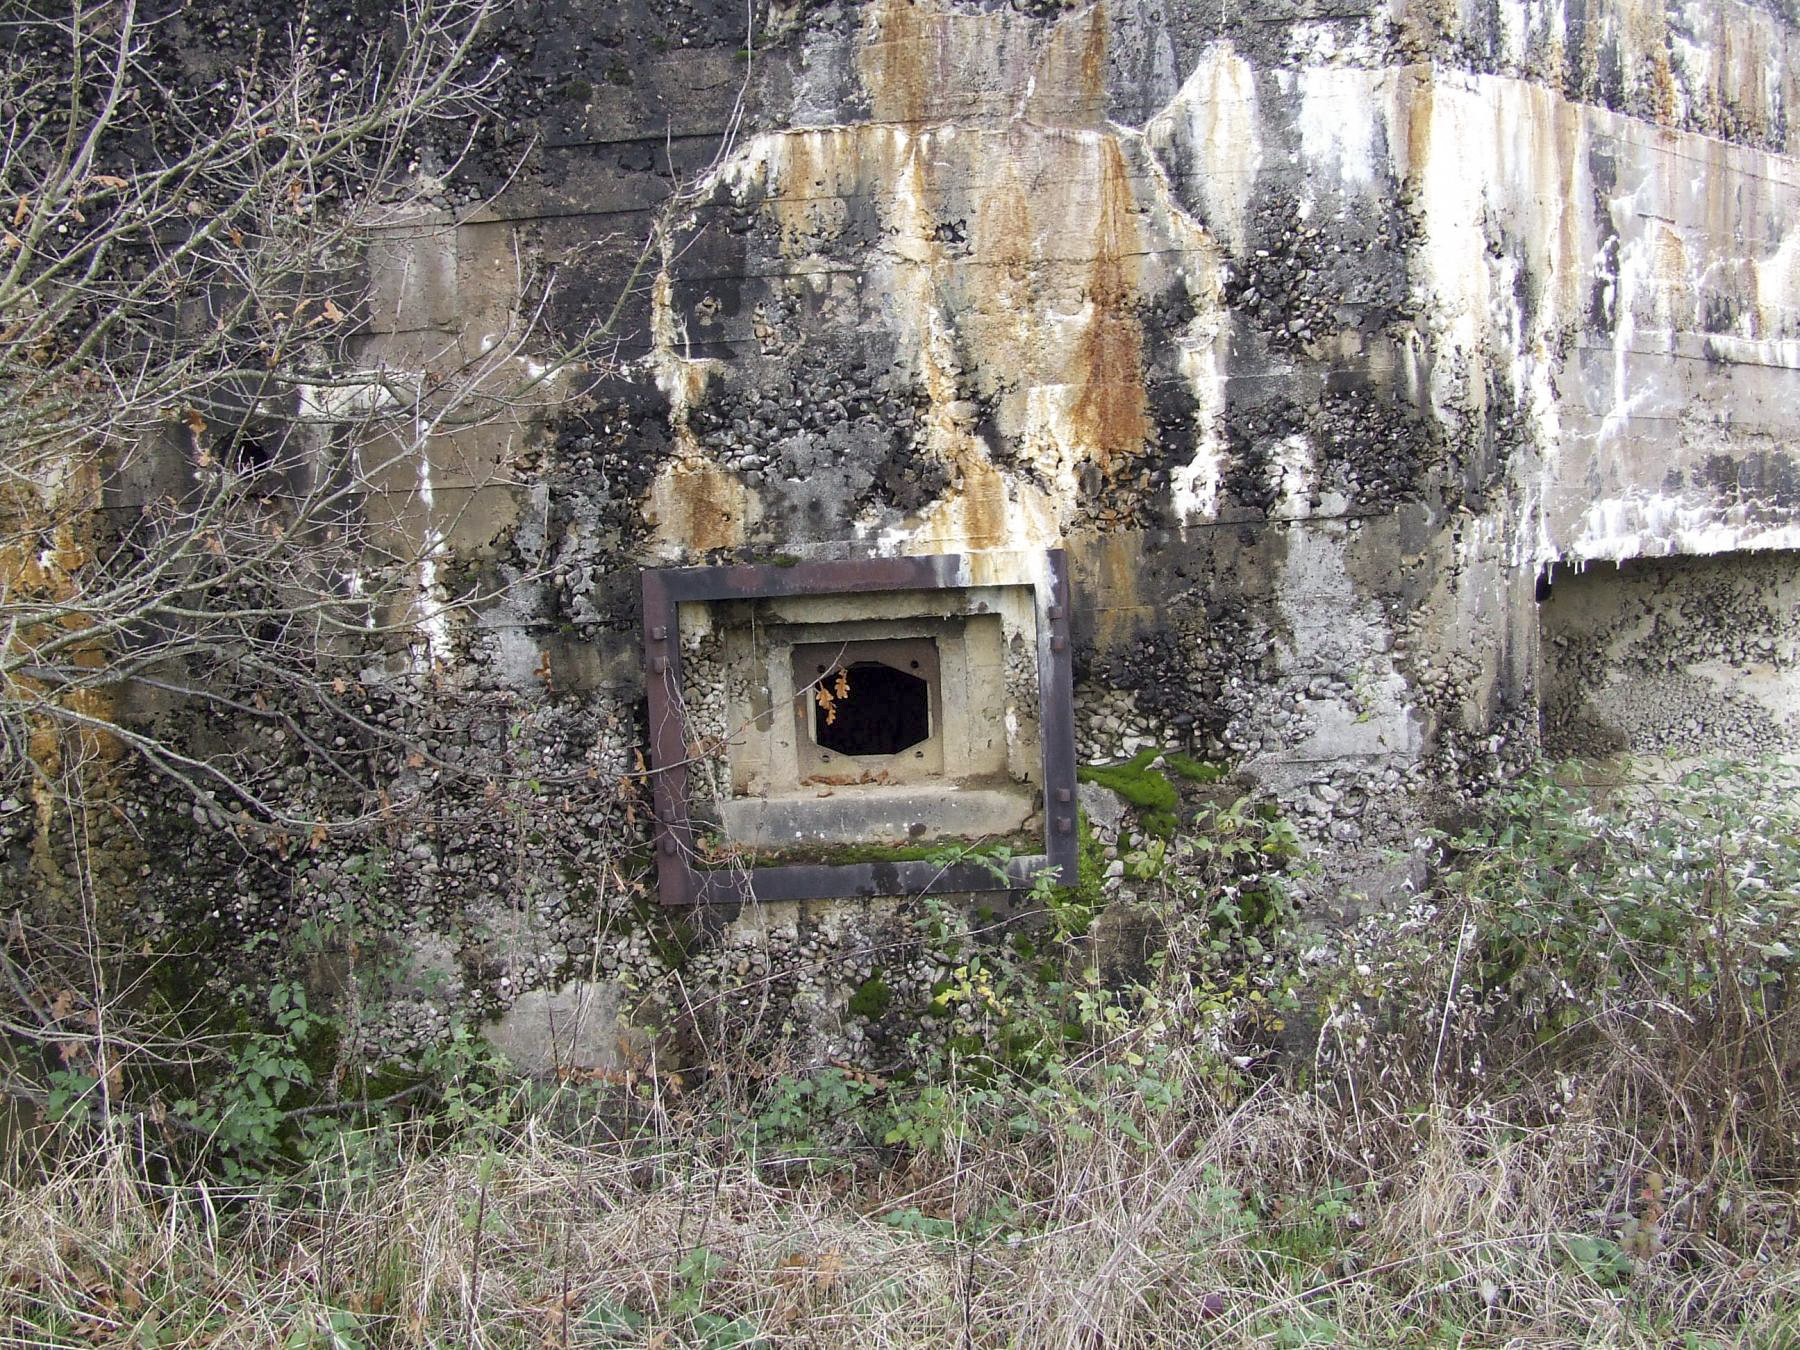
x=1418 y=331
x=1316 y=333
x=575 y=1031
x=1674 y=657
x=877 y=814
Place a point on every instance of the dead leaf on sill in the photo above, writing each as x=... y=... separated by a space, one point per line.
x=866 y=777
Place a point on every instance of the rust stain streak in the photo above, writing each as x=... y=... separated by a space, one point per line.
x=1111 y=413
x=1421 y=100
x=47 y=545
x=894 y=63
x=1114 y=562
x=1093 y=60
x=700 y=506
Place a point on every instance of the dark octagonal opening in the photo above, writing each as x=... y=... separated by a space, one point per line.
x=885 y=711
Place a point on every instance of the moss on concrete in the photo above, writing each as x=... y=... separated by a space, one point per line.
x=1147 y=789
x=1194 y=770
x=872 y=998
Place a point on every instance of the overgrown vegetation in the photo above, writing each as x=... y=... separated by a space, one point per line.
x=1552 y=1101
x=216 y=472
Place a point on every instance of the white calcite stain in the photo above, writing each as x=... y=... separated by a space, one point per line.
x=430 y=613
x=1292 y=468
x=1501 y=177
x=694 y=503
x=371 y=394
x=1213 y=128
x=1505 y=267
x=1203 y=353
x=1337 y=121
x=1629 y=265
x=1656 y=524
x=1194 y=486
x=681 y=377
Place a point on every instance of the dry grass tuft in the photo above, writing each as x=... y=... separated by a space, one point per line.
x=1220 y=1225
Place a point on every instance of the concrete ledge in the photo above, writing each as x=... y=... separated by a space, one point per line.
x=857 y=815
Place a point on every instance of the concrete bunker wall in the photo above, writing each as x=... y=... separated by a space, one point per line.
x=1312 y=339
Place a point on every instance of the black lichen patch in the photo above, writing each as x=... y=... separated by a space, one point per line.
x=1374 y=448
x=1764 y=480
x=908 y=478
x=600 y=469
x=1253 y=438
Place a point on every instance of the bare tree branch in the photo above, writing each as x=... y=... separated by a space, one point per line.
x=211 y=485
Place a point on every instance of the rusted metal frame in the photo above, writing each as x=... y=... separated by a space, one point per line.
x=679 y=883
x=931 y=572
x=674 y=836
x=1056 y=721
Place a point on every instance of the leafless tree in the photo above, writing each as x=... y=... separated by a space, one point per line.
x=218 y=522
x=212 y=494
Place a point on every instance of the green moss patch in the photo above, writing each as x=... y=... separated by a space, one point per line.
x=872 y=998
x=1194 y=770
x=1075 y=907
x=1147 y=789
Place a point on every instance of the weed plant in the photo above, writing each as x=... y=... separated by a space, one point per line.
x=1549 y=1101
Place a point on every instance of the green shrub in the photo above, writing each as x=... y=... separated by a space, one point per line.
x=1637 y=954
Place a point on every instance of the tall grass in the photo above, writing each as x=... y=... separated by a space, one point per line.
x=1222 y=1229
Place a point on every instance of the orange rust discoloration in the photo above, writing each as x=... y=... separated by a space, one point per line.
x=1752 y=107
x=977 y=512
x=983 y=499
x=930 y=61
x=68 y=741
x=1003 y=227
x=1669 y=264
x=1421 y=96
x=1648 y=59
x=894 y=65
x=817 y=169
x=787 y=200
x=1005 y=311
x=1111 y=414
x=700 y=507
x=1093 y=60
x=1069 y=75
x=1110 y=566
x=1665 y=97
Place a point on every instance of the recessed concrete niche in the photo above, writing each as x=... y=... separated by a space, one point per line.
x=1676 y=657
x=817 y=727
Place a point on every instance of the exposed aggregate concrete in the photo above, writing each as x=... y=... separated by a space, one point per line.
x=1313 y=336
